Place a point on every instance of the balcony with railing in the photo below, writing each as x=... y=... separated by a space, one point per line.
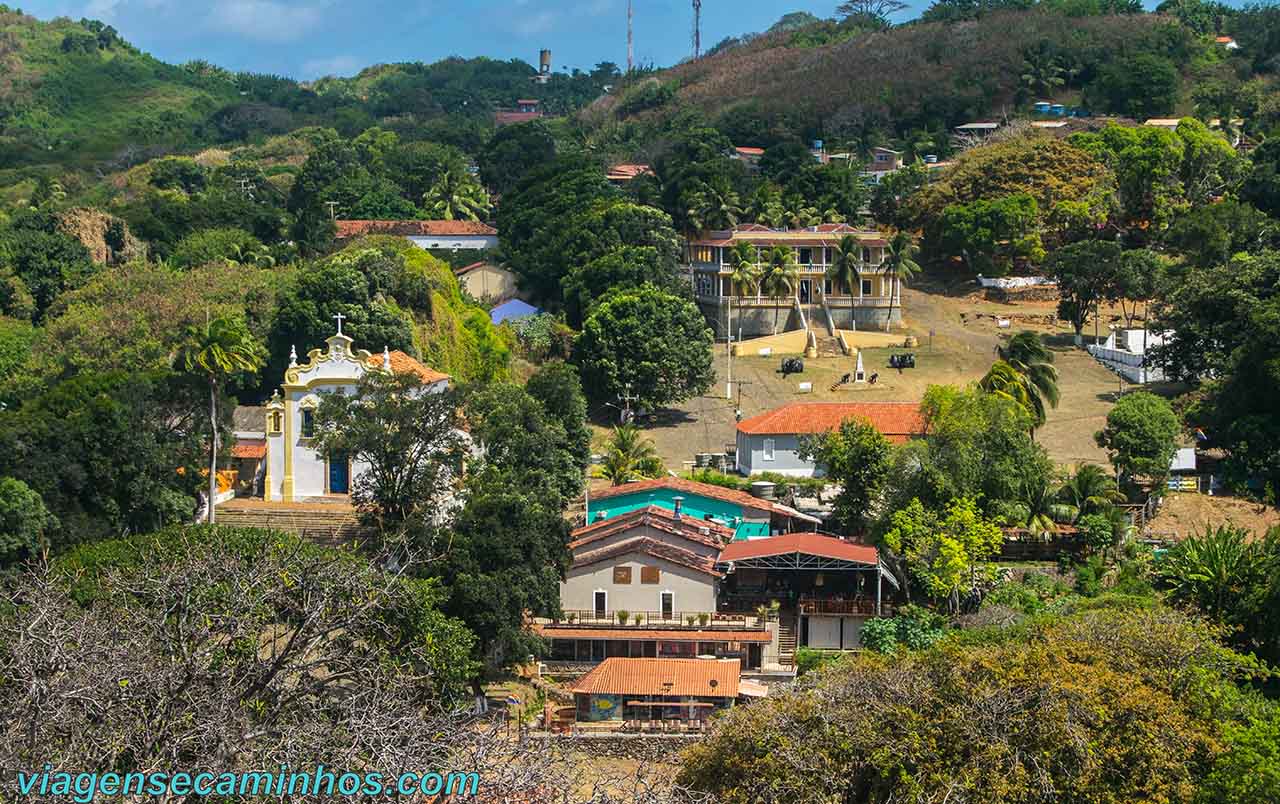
x=675 y=620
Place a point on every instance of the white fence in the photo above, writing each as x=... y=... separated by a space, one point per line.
x=1127 y=364
x=1009 y=282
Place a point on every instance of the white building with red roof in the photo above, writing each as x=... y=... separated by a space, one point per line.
x=773 y=441
x=440 y=235
x=294 y=469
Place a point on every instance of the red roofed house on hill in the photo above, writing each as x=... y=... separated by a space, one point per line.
x=771 y=441
x=866 y=305
x=445 y=235
x=526 y=110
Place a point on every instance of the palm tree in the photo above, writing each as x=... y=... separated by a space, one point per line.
x=1003 y=380
x=1090 y=491
x=718 y=206
x=900 y=265
x=797 y=214
x=1027 y=355
x=456 y=196
x=1041 y=512
x=780 y=276
x=630 y=454
x=746 y=271
x=220 y=349
x=846 y=257
x=1041 y=71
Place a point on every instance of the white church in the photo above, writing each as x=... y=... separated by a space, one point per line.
x=294 y=470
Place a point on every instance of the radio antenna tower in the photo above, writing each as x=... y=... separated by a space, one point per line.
x=697 y=29
x=631 y=53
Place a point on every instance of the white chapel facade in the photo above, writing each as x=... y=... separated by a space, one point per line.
x=295 y=470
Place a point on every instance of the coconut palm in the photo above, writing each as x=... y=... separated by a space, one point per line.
x=1003 y=380
x=630 y=455
x=846 y=258
x=746 y=272
x=718 y=206
x=780 y=275
x=799 y=215
x=1026 y=354
x=1091 y=490
x=217 y=351
x=1042 y=514
x=899 y=265
x=456 y=195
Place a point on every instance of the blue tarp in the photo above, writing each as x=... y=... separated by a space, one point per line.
x=512 y=309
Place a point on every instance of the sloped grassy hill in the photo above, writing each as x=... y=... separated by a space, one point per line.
x=922 y=75
x=71 y=93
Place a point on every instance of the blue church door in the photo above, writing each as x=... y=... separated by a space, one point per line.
x=339 y=474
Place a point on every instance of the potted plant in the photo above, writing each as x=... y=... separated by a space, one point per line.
x=690 y=620
x=571 y=618
x=639 y=618
x=703 y=619
x=623 y=616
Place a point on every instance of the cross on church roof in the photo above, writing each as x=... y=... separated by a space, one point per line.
x=339 y=317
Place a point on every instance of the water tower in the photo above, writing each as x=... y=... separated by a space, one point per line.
x=544 y=67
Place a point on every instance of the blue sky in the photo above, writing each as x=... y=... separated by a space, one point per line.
x=309 y=38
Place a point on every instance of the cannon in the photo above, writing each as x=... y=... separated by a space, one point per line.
x=792 y=365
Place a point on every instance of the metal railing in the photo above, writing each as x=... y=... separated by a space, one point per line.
x=656 y=619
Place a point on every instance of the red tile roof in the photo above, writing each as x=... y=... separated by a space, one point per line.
x=687 y=487
x=711 y=678
x=747 y=150
x=662 y=634
x=349 y=229
x=899 y=421
x=650 y=547
x=810 y=544
x=507 y=118
x=250 y=448
x=402 y=363
x=658 y=519
x=627 y=172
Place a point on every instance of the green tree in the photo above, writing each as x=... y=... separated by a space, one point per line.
x=507 y=556
x=1214 y=570
x=855 y=456
x=514 y=151
x=23 y=521
x=1141 y=85
x=646 y=342
x=213 y=245
x=1025 y=374
x=456 y=195
x=519 y=439
x=109 y=453
x=48 y=262
x=948 y=554
x=846 y=260
x=779 y=277
x=557 y=386
x=629 y=454
x=1087 y=273
x=623 y=267
x=220 y=352
x=1249 y=770
x=899 y=266
x=411 y=446
x=1090 y=490
x=991 y=236
x=1140 y=437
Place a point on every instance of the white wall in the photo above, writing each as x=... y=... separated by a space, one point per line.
x=786 y=456
x=694 y=591
x=464 y=242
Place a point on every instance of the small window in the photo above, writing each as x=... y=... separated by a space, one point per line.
x=826 y=287
x=768 y=449
x=601 y=602
x=866 y=287
x=866 y=254
x=275 y=422
x=649 y=575
x=806 y=256
x=621 y=575
x=667 y=601
x=308 y=424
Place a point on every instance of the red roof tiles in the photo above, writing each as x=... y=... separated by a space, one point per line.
x=898 y=421
x=349 y=229
x=249 y=448
x=650 y=547
x=658 y=519
x=810 y=544
x=665 y=677
x=402 y=363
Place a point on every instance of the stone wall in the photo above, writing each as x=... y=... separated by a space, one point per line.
x=758 y=321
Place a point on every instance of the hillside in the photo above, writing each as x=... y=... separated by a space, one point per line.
x=916 y=81
x=75 y=95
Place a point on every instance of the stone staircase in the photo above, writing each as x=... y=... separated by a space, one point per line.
x=328 y=525
x=829 y=347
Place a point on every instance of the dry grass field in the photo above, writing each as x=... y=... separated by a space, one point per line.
x=959 y=352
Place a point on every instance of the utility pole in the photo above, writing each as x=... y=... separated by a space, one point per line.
x=728 y=386
x=630 y=45
x=626 y=398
